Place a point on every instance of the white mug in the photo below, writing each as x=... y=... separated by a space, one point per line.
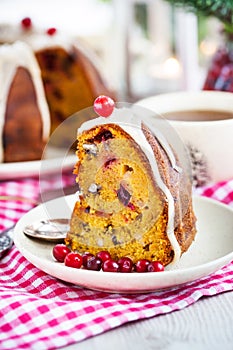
x=208 y=133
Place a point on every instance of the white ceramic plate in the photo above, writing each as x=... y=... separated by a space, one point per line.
x=53 y=162
x=212 y=249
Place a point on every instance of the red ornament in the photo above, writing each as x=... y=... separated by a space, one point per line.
x=216 y=78
x=51 y=31
x=104 y=106
x=26 y=23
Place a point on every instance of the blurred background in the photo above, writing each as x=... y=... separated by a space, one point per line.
x=144 y=47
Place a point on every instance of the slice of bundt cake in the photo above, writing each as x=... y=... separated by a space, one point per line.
x=134 y=198
x=24 y=113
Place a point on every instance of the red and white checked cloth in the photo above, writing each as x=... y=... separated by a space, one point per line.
x=38 y=311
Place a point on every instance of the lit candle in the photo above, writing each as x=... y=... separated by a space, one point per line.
x=187 y=48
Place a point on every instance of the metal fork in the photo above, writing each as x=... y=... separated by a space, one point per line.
x=6 y=241
x=6 y=236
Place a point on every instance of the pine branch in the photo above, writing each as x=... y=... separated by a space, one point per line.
x=221 y=9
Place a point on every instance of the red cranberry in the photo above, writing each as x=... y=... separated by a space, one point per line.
x=51 y=31
x=125 y=264
x=109 y=162
x=103 y=136
x=94 y=263
x=26 y=22
x=103 y=106
x=155 y=266
x=73 y=260
x=141 y=265
x=60 y=251
x=86 y=256
x=110 y=266
x=221 y=57
x=103 y=255
x=131 y=206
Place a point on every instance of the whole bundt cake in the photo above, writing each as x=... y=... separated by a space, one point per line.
x=64 y=72
x=134 y=197
x=24 y=113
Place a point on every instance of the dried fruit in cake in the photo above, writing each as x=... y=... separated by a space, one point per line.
x=135 y=199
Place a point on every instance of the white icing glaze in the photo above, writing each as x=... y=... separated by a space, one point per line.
x=131 y=123
x=10 y=33
x=13 y=56
x=165 y=145
x=38 y=39
x=35 y=37
x=43 y=41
